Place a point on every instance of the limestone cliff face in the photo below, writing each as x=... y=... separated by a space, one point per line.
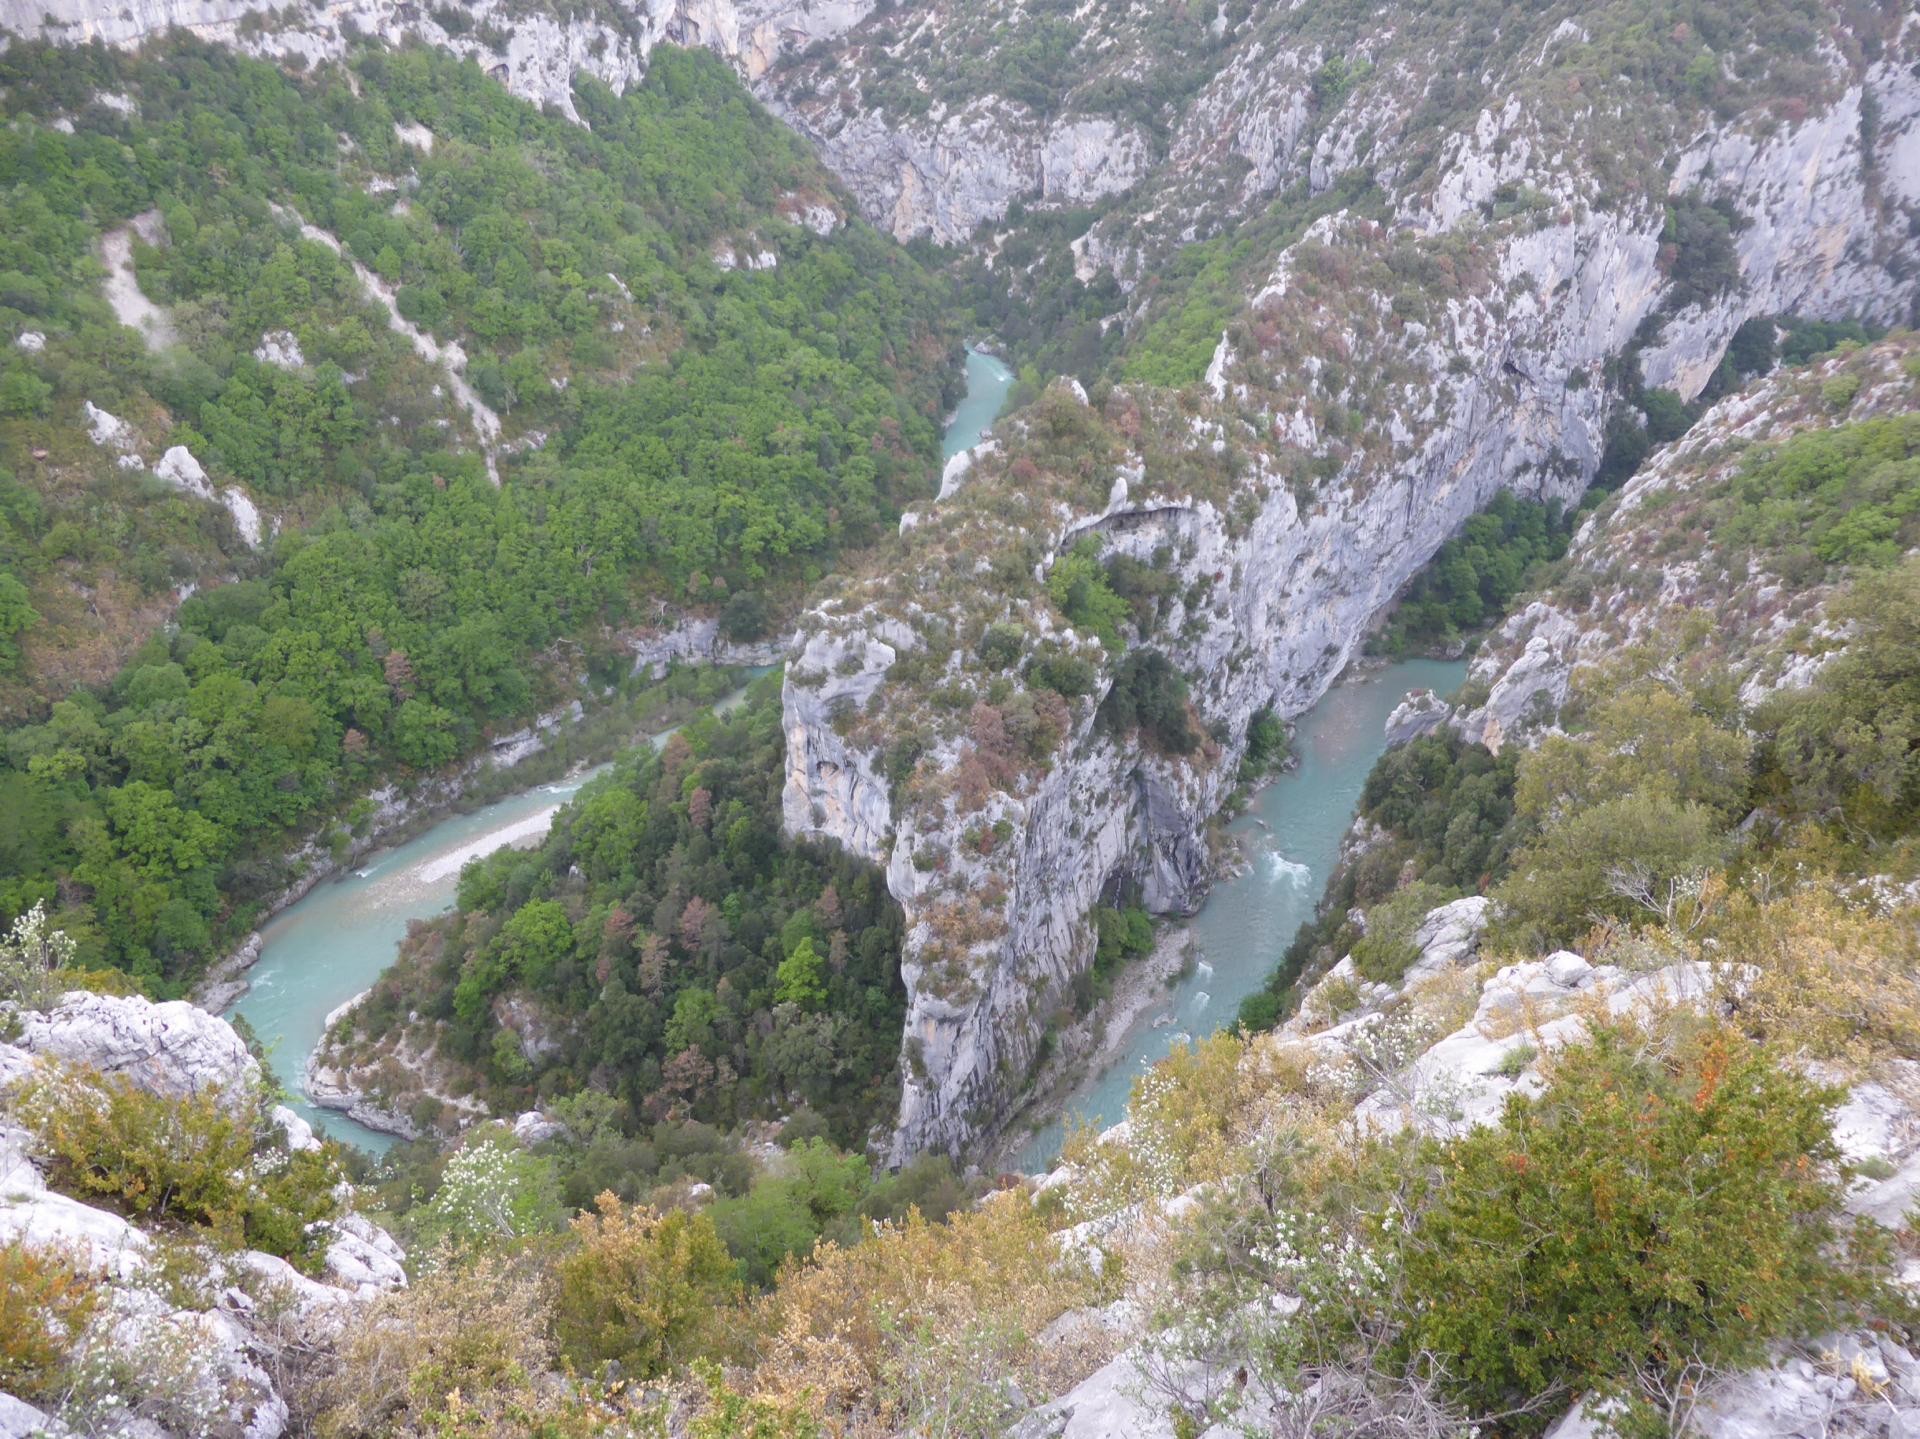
x=1645 y=562
x=1383 y=384
x=534 y=51
x=945 y=174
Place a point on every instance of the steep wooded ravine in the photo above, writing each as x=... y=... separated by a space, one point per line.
x=478 y=359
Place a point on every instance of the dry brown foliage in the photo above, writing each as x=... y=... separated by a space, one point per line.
x=844 y=1330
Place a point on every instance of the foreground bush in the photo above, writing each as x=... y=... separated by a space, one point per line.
x=923 y=1328
x=190 y=1161
x=650 y=1292
x=1647 y=1222
x=462 y=1351
x=45 y=1304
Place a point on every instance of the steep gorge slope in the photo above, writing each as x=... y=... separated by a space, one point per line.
x=1417 y=258
x=1714 y=653
x=1470 y=327
x=535 y=50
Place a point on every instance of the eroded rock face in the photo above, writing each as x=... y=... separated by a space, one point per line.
x=174 y=1049
x=543 y=50
x=1527 y=669
x=699 y=641
x=945 y=173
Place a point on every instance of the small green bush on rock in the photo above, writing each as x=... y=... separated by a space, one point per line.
x=197 y=1161
x=1646 y=1222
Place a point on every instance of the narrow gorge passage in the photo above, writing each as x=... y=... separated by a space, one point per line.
x=1290 y=840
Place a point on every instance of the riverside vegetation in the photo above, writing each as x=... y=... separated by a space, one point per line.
x=1653 y=877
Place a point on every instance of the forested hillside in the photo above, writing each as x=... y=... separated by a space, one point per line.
x=665 y=947
x=492 y=387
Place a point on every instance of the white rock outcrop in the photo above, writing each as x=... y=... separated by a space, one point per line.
x=213 y=1363
x=699 y=641
x=172 y=1048
x=543 y=47
x=281 y=348
x=180 y=469
x=946 y=173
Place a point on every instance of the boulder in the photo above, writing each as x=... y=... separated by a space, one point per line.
x=20 y=1420
x=299 y=1133
x=1849 y=1385
x=41 y=1219
x=171 y=1049
x=1448 y=936
x=1421 y=712
x=281 y=348
x=533 y=1128
x=364 y=1258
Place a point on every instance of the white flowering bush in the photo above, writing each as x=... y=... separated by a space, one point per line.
x=493 y=1190
x=1278 y=1324
x=1181 y=1129
x=139 y=1367
x=31 y=955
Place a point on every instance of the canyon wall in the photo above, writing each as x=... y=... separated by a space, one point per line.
x=535 y=52
x=1383 y=385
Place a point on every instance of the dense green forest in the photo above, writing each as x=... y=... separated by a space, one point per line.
x=672 y=430
x=686 y=959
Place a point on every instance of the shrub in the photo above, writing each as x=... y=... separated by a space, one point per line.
x=1668 y=417
x=1066 y=675
x=1847 y=495
x=647 y=1291
x=1000 y=646
x=462 y=1350
x=1150 y=695
x=1833 y=980
x=1643 y=1222
x=1386 y=951
x=1846 y=744
x=1515 y=1061
x=1838 y=392
x=1638 y=738
x=189 y=1161
x=31 y=957
x=1698 y=250
x=818 y=1192
x=1267 y=744
x=1590 y=866
x=46 y=1300
x=492 y=1191
x=1080 y=590
x=1123 y=934
x=847 y=1333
